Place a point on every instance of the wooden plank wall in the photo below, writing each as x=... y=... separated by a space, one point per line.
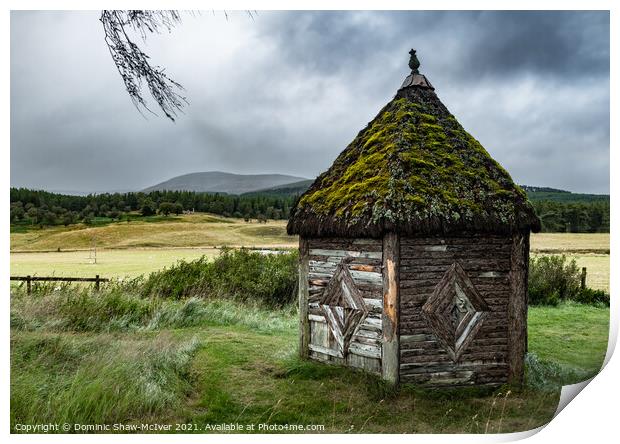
x=423 y=261
x=365 y=268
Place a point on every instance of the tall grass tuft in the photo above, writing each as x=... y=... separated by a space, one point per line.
x=113 y=310
x=60 y=379
x=194 y=311
x=550 y=376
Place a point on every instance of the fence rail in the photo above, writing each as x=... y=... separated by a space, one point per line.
x=30 y=279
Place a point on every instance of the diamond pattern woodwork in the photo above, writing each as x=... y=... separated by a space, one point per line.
x=343 y=307
x=455 y=310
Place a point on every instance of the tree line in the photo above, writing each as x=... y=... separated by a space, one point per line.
x=573 y=217
x=45 y=208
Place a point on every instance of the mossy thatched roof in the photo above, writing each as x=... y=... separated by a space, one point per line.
x=413 y=170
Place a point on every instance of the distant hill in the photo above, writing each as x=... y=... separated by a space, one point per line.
x=220 y=182
x=87 y=193
x=289 y=189
x=535 y=189
x=535 y=193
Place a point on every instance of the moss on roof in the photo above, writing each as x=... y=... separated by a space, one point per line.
x=413 y=169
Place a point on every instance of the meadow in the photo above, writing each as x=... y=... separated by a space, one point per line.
x=129 y=355
x=138 y=247
x=194 y=230
x=201 y=363
x=110 y=263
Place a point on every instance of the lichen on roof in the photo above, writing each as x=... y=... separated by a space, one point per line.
x=413 y=169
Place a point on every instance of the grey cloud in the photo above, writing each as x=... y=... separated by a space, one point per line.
x=286 y=93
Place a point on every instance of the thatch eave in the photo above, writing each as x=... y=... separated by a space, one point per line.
x=314 y=226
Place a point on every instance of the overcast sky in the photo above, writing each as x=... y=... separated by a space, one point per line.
x=287 y=91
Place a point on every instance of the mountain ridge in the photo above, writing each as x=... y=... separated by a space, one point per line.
x=283 y=185
x=222 y=182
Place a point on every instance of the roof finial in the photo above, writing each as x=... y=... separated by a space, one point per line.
x=414 y=63
x=415 y=78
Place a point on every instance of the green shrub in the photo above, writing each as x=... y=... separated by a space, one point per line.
x=591 y=296
x=552 y=279
x=241 y=275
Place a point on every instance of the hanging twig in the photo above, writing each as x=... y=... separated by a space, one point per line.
x=134 y=65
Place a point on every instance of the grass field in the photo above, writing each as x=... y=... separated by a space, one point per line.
x=130 y=249
x=202 y=362
x=590 y=250
x=110 y=263
x=196 y=230
x=203 y=230
x=133 y=262
x=597 y=269
x=212 y=365
x=570 y=242
x=571 y=335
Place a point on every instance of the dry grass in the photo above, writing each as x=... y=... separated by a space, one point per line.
x=110 y=263
x=590 y=250
x=203 y=230
x=130 y=249
x=198 y=230
x=570 y=242
x=597 y=269
x=597 y=265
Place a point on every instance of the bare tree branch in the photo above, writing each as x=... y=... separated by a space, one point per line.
x=134 y=65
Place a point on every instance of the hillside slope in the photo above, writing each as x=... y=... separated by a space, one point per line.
x=535 y=193
x=289 y=189
x=220 y=182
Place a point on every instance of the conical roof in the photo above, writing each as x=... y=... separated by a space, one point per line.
x=413 y=170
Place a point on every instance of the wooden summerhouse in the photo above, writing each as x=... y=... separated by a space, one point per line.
x=414 y=252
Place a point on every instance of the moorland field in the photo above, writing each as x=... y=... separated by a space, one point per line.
x=137 y=247
x=84 y=357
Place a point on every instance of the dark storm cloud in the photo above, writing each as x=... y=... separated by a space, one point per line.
x=287 y=92
x=492 y=43
x=556 y=43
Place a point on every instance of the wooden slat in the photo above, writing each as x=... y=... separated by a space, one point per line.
x=304 y=324
x=343 y=253
x=324 y=350
x=365 y=350
x=346 y=244
x=472 y=239
x=316 y=318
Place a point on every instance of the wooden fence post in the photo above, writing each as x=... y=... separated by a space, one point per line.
x=584 y=273
x=304 y=323
x=28 y=284
x=390 y=350
x=96 y=282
